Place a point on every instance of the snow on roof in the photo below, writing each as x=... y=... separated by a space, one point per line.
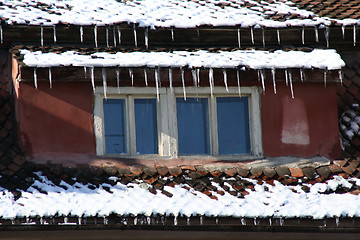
x=255 y=59
x=45 y=199
x=162 y=13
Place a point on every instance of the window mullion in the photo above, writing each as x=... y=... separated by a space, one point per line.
x=131 y=126
x=213 y=127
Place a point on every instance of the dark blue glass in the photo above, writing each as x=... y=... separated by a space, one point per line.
x=146 y=126
x=233 y=125
x=193 y=126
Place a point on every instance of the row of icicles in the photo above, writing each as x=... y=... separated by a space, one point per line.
x=117 y=35
x=195 y=77
x=143 y=220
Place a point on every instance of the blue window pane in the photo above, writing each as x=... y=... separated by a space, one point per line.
x=193 y=126
x=114 y=122
x=233 y=125
x=146 y=126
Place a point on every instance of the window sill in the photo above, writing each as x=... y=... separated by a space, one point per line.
x=186 y=157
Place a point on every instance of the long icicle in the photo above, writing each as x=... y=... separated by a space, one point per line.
x=263 y=36
x=302 y=75
x=35 y=78
x=92 y=78
x=262 y=75
x=119 y=34
x=325 y=77
x=107 y=36
x=146 y=35
x=145 y=77
x=183 y=81
x=172 y=35
x=103 y=71
x=239 y=37
x=157 y=80
x=1 y=34
x=131 y=74
x=54 y=33
x=198 y=76
x=50 y=77
x=303 y=35
x=287 y=77
x=85 y=72
x=225 y=79
x=211 y=81
x=252 y=35
x=170 y=79
x=291 y=85
x=95 y=36
x=114 y=36
x=316 y=34
x=354 y=34
x=238 y=81
x=343 y=31
x=340 y=76
x=327 y=36
x=273 y=74
x=135 y=36
x=194 y=77
x=278 y=36
x=81 y=34
x=41 y=35
x=118 y=79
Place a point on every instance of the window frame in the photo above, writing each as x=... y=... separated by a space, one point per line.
x=167 y=120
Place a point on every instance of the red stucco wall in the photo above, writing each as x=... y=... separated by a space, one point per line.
x=59 y=121
x=304 y=126
x=56 y=121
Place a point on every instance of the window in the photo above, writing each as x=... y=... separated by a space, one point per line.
x=137 y=124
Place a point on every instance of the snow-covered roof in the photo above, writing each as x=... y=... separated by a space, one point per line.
x=162 y=13
x=253 y=59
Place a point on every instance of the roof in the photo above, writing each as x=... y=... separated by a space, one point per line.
x=164 y=13
x=242 y=192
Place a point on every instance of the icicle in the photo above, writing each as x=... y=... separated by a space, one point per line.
x=198 y=76
x=172 y=35
x=239 y=37
x=278 y=36
x=201 y=220
x=211 y=81
x=340 y=76
x=41 y=35
x=95 y=36
x=103 y=71
x=316 y=34
x=270 y=222
x=325 y=77
x=291 y=85
x=238 y=81
x=243 y=221
x=337 y=221
x=354 y=35
x=92 y=78
x=343 y=31
x=263 y=36
x=1 y=35
x=157 y=80
x=119 y=34
x=54 y=33
x=194 y=76
x=188 y=221
x=50 y=78
x=145 y=77
x=198 y=33
x=135 y=36
x=146 y=34
x=183 y=81
x=35 y=78
x=286 y=77
x=327 y=35
x=302 y=75
x=81 y=34
x=225 y=79
x=255 y=222
x=170 y=79
x=303 y=35
x=114 y=36
x=131 y=74
x=252 y=34
x=273 y=74
x=79 y=221
x=107 y=36
x=175 y=221
x=118 y=79
x=262 y=77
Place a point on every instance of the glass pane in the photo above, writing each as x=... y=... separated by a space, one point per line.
x=114 y=122
x=193 y=127
x=233 y=125
x=146 y=126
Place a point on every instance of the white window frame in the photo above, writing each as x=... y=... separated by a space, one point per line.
x=167 y=119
